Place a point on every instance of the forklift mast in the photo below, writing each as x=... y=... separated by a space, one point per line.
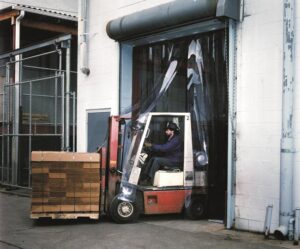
x=110 y=175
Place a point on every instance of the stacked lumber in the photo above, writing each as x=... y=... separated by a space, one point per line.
x=65 y=185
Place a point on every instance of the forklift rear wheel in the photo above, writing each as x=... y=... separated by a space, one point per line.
x=123 y=211
x=195 y=208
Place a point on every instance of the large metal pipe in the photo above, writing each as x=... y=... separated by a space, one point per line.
x=231 y=123
x=8 y=115
x=47 y=43
x=74 y=120
x=268 y=220
x=82 y=36
x=16 y=118
x=287 y=139
x=296 y=173
x=62 y=111
x=68 y=89
x=30 y=132
x=3 y=129
x=297 y=227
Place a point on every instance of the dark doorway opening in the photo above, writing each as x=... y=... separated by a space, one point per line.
x=199 y=87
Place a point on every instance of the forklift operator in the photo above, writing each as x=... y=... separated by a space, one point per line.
x=172 y=154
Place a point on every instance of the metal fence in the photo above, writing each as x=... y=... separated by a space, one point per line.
x=38 y=107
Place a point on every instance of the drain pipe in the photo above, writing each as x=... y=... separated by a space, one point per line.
x=297 y=226
x=268 y=221
x=83 y=37
x=16 y=123
x=18 y=42
x=287 y=140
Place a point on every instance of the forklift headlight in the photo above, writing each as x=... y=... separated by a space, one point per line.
x=201 y=158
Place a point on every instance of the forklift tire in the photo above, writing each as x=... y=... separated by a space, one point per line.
x=123 y=211
x=195 y=208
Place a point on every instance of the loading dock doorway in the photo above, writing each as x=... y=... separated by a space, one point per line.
x=200 y=87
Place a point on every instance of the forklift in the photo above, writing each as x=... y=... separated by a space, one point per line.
x=174 y=191
x=122 y=159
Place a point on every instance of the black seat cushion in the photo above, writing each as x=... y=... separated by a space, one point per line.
x=168 y=168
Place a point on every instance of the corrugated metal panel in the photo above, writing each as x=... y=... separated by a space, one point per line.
x=47 y=12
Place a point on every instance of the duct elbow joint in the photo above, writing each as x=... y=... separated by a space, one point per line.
x=21 y=16
x=84 y=59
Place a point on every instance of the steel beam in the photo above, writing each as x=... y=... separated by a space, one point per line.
x=36 y=46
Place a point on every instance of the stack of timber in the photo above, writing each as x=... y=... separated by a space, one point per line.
x=65 y=185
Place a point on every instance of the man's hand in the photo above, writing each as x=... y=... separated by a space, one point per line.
x=146 y=144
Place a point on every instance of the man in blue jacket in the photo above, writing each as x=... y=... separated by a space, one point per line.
x=172 y=154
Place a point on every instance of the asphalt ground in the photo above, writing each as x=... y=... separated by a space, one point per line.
x=17 y=230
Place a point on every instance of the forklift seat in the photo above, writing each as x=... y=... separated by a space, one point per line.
x=164 y=178
x=167 y=168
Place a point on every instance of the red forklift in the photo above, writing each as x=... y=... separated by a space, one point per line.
x=183 y=190
x=122 y=160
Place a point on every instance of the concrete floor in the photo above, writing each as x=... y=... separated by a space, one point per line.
x=155 y=232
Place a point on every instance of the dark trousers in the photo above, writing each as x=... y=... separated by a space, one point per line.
x=156 y=163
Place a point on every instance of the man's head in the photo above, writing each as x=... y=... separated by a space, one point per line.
x=171 y=129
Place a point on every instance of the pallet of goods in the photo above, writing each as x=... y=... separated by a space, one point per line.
x=65 y=185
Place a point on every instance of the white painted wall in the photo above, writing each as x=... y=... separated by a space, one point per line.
x=259 y=96
x=101 y=88
x=259 y=106
x=297 y=108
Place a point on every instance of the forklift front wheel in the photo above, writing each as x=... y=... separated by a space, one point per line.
x=123 y=211
x=195 y=208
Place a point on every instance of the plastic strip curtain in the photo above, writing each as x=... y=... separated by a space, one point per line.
x=184 y=75
x=131 y=167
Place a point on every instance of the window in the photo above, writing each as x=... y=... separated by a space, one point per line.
x=97 y=123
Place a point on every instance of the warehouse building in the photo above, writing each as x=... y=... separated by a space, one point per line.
x=129 y=43
x=235 y=75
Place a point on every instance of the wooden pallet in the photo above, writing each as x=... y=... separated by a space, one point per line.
x=65 y=185
x=92 y=216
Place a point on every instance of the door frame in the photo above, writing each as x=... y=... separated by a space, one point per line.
x=126 y=63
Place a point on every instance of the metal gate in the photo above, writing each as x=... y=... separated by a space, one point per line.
x=38 y=105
